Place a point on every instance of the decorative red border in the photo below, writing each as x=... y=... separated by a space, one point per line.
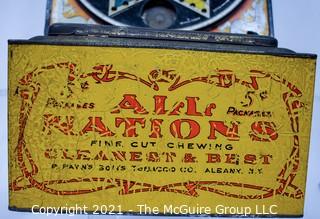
x=105 y=73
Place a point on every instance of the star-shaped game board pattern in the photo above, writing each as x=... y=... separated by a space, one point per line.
x=201 y=7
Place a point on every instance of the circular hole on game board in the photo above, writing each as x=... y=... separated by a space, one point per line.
x=159 y=14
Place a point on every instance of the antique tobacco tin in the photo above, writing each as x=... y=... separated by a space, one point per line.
x=137 y=121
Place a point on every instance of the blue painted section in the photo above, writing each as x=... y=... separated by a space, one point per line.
x=120 y=2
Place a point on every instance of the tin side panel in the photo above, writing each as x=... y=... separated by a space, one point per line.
x=127 y=127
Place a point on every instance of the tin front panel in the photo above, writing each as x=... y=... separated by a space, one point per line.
x=131 y=126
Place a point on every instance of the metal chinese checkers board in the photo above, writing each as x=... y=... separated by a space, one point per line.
x=229 y=16
x=126 y=120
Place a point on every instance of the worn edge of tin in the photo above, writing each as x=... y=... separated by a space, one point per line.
x=159 y=44
x=8 y=127
x=48 y=17
x=270 y=18
x=63 y=29
x=310 y=131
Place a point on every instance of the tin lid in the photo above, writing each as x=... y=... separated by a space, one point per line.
x=127 y=37
x=107 y=31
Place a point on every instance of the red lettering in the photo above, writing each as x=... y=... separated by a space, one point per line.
x=65 y=155
x=213 y=158
x=130 y=102
x=232 y=158
x=101 y=156
x=135 y=156
x=51 y=153
x=263 y=131
x=130 y=125
x=192 y=106
x=209 y=108
x=266 y=158
x=250 y=159
x=176 y=109
x=119 y=155
x=159 y=105
x=176 y=130
x=95 y=124
x=55 y=121
x=82 y=155
x=156 y=128
x=231 y=133
x=153 y=157
x=189 y=158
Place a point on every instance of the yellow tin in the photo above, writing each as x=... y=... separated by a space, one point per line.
x=138 y=126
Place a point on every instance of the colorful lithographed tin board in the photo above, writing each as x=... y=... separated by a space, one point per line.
x=228 y=16
x=128 y=122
